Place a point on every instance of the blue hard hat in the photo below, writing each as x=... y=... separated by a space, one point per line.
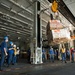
x=6 y=37
x=11 y=42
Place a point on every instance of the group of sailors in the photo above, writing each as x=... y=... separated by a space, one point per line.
x=55 y=54
x=12 y=51
x=8 y=52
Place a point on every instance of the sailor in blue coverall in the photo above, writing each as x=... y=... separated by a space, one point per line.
x=3 y=52
x=43 y=54
x=51 y=53
x=10 y=53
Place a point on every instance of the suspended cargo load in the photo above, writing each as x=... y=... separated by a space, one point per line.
x=58 y=36
x=54 y=24
x=57 y=33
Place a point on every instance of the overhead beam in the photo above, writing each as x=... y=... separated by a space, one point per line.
x=22 y=7
x=66 y=12
x=9 y=28
x=14 y=25
x=14 y=14
x=25 y=8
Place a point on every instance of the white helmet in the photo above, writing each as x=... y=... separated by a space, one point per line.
x=14 y=45
x=17 y=47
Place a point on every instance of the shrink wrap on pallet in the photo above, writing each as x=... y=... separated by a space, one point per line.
x=56 y=33
x=54 y=24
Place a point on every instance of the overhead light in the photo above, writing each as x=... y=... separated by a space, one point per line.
x=3 y=28
x=30 y=27
x=43 y=33
x=31 y=0
x=5 y=23
x=18 y=32
x=19 y=37
x=50 y=4
x=5 y=5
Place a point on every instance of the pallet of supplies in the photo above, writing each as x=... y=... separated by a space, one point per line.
x=54 y=24
x=58 y=36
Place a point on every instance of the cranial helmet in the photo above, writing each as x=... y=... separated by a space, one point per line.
x=11 y=43
x=6 y=37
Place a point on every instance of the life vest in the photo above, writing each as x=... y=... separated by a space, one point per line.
x=63 y=50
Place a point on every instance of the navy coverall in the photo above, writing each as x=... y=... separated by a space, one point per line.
x=3 y=45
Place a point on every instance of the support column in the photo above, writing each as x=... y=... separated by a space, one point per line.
x=60 y=46
x=37 y=35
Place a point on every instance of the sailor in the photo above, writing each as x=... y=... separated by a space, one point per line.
x=3 y=52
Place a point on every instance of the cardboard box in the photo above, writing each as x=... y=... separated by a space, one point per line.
x=58 y=36
x=54 y=24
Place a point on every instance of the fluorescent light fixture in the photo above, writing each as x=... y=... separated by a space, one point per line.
x=3 y=28
x=19 y=37
x=30 y=27
x=18 y=32
x=5 y=5
x=6 y=23
x=50 y=4
x=31 y=0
